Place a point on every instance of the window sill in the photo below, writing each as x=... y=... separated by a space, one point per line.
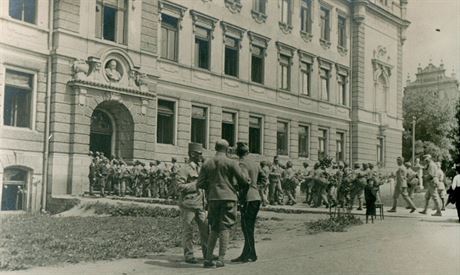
x=19 y=129
x=109 y=42
x=284 y=91
x=175 y=62
x=258 y=16
x=342 y=50
x=26 y=24
x=325 y=43
x=286 y=28
x=261 y=85
x=305 y=96
x=227 y=76
x=306 y=36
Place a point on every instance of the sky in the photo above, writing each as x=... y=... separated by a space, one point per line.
x=424 y=43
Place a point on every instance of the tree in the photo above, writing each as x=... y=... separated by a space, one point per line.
x=455 y=138
x=434 y=123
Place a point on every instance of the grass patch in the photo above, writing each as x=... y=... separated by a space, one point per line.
x=132 y=210
x=332 y=224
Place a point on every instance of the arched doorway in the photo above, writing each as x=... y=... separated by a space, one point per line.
x=101 y=136
x=14 y=189
x=112 y=130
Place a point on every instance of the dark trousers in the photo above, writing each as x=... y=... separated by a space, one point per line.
x=457 y=204
x=248 y=223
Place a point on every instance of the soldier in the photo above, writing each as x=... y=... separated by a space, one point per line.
x=144 y=177
x=217 y=178
x=152 y=178
x=401 y=187
x=319 y=186
x=275 y=191
x=418 y=169
x=191 y=203
x=251 y=205
x=359 y=182
x=441 y=185
x=430 y=180
x=412 y=181
x=172 y=186
x=305 y=179
x=290 y=183
x=102 y=172
x=92 y=173
x=263 y=184
x=346 y=187
x=123 y=178
x=162 y=179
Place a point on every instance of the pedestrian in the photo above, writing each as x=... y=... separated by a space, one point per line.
x=454 y=190
x=359 y=182
x=430 y=180
x=191 y=203
x=220 y=177
x=401 y=187
x=263 y=184
x=124 y=177
x=172 y=186
x=290 y=183
x=370 y=196
x=305 y=179
x=250 y=208
x=92 y=173
x=441 y=185
x=275 y=190
x=412 y=180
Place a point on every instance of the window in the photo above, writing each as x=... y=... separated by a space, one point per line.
x=340 y=147
x=111 y=19
x=231 y=56
x=169 y=37
x=342 y=100
x=229 y=127
x=14 y=193
x=165 y=122
x=282 y=138
x=324 y=24
x=305 y=77
x=24 y=10
x=255 y=135
x=324 y=84
x=257 y=64
x=305 y=16
x=342 y=32
x=260 y=6
x=380 y=150
x=304 y=141
x=286 y=12
x=202 y=48
x=322 y=143
x=199 y=125
x=285 y=72
x=17 y=99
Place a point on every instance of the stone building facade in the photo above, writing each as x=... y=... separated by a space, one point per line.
x=140 y=79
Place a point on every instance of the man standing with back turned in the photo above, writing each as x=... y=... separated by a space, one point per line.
x=217 y=177
x=191 y=203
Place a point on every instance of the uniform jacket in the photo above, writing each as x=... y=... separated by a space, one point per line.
x=429 y=175
x=275 y=172
x=401 y=176
x=217 y=176
x=256 y=175
x=189 y=194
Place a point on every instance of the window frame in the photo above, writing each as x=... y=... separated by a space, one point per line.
x=342 y=141
x=99 y=34
x=196 y=62
x=326 y=141
x=326 y=20
x=325 y=77
x=286 y=64
x=261 y=42
x=305 y=69
x=278 y=152
x=207 y=108
x=306 y=22
x=176 y=103
x=33 y=98
x=235 y=48
x=381 y=153
x=235 y=124
x=342 y=37
x=262 y=131
x=176 y=44
x=308 y=139
x=22 y=12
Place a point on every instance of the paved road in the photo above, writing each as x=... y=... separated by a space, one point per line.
x=395 y=246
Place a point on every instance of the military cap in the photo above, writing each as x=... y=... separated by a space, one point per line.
x=242 y=147
x=221 y=144
x=195 y=147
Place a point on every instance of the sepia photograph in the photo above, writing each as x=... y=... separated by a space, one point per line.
x=258 y=137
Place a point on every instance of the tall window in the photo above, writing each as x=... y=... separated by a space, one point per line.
x=169 y=37
x=322 y=143
x=285 y=72
x=199 y=125
x=229 y=127
x=304 y=141
x=231 y=56
x=282 y=138
x=380 y=150
x=165 y=122
x=24 y=10
x=305 y=16
x=324 y=84
x=111 y=19
x=202 y=48
x=324 y=24
x=305 y=77
x=342 y=31
x=286 y=6
x=257 y=64
x=340 y=147
x=260 y=6
x=17 y=99
x=255 y=135
x=342 y=100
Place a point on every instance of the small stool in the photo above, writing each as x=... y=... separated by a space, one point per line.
x=379 y=205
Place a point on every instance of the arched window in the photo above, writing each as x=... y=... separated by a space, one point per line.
x=14 y=189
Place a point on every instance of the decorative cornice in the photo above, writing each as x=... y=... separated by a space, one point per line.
x=232 y=30
x=325 y=43
x=234 y=6
x=388 y=15
x=286 y=28
x=306 y=36
x=258 y=39
x=306 y=57
x=107 y=87
x=203 y=20
x=258 y=16
x=285 y=49
x=342 y=51
x=174 y=8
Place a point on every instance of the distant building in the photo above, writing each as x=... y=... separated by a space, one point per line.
x=435 y=80
x=140 y=79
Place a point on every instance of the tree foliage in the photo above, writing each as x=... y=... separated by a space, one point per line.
x=434 y=122
x=455 y=136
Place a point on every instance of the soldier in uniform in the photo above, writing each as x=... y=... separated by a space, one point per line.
x=401 y=187
x=275 y=191
x=152 y=175
x=441 y=185
x=290 y=183
x=172 y=186
x=102 y=172
x=412 y=181
x=305 y=178
x=123 y=178
x=221 y=178
x=92 y=173
x=430 y=180
x=191 y=203
x=263 y=184
x=359 y=182
x=251 y=203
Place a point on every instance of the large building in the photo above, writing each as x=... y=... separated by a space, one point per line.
x=140 y=79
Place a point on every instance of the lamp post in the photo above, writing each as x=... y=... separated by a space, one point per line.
x=413 y=140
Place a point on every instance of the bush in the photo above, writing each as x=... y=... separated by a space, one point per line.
x=333 y=224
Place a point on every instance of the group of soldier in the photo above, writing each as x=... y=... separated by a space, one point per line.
x=115 y=177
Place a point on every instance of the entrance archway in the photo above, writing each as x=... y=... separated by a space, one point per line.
x=112 y=130
x=14 y=189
